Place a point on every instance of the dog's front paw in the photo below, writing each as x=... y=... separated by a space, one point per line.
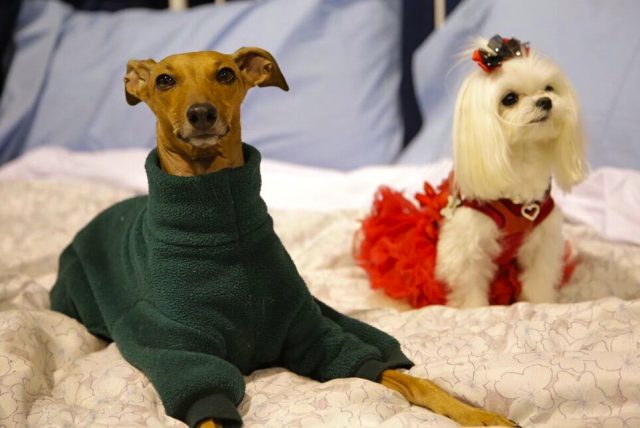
x=427 y=394
x=474 y=417
x=465 y=299
x=209 y=423
x=538 y=293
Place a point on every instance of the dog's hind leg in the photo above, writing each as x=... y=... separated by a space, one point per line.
x=427 y=394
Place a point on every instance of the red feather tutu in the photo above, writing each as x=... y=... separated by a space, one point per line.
x=397 y=248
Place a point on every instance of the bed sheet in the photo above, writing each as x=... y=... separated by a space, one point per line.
x=608 y=200
x=572 y=364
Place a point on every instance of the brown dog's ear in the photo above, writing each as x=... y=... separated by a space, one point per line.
x=259 y=68
x=136 y=79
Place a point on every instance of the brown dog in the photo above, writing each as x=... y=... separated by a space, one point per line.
x=196 y=98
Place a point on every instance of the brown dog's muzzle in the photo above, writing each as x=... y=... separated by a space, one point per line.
x=202 y=125
x=202 y=116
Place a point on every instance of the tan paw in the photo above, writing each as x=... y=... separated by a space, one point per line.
x=467 y=299
x=425 y=393
x=475 y=417
x=209 y=423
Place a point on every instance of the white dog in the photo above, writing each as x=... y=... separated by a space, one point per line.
x=516 y=126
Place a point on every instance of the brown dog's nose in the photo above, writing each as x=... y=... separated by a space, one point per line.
x=202 y=116
x=544 y=103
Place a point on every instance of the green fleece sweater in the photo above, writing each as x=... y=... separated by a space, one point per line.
x=196 y=289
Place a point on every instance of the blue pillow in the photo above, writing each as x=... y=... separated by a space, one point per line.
x=596 y=43
x=341 y=59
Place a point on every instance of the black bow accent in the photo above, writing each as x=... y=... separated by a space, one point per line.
x=500 y=49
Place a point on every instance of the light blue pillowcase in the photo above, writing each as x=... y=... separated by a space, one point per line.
x=596 y=43
x=341 y=59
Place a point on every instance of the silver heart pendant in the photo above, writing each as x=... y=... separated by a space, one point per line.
x=530 y=211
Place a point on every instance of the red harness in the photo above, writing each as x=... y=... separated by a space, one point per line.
x=515 y=221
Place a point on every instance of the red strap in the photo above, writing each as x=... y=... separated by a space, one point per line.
x=509 y=218
x=508 y=215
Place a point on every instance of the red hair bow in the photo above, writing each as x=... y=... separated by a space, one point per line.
x=500 y=50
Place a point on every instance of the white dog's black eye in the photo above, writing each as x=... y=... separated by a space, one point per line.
x=549 y=88
x=510 y=99
x=225 y=75
x=164 y=81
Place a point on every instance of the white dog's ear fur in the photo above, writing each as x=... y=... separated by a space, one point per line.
x=570 y=165
x=480 y=149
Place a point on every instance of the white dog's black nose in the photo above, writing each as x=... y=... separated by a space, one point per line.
x=544 y=103
x=202 y=116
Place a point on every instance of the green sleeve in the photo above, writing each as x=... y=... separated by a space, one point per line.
x=391 y=356
x=73 y=296
x=318 y=348
x=185 y=366
x=388 y=345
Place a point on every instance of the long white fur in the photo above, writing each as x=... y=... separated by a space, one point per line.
x=502 y=152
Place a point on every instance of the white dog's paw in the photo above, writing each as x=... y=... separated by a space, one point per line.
x=539 y=294
x=463 y=299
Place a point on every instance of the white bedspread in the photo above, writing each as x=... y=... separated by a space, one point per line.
x=608 y=201
x=573 y=364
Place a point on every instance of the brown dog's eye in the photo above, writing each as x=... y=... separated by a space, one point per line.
x=510 y=99
x=164 y=81
x=549 y=88
x=225 y=75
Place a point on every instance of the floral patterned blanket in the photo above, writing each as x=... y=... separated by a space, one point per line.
x=571 y=364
